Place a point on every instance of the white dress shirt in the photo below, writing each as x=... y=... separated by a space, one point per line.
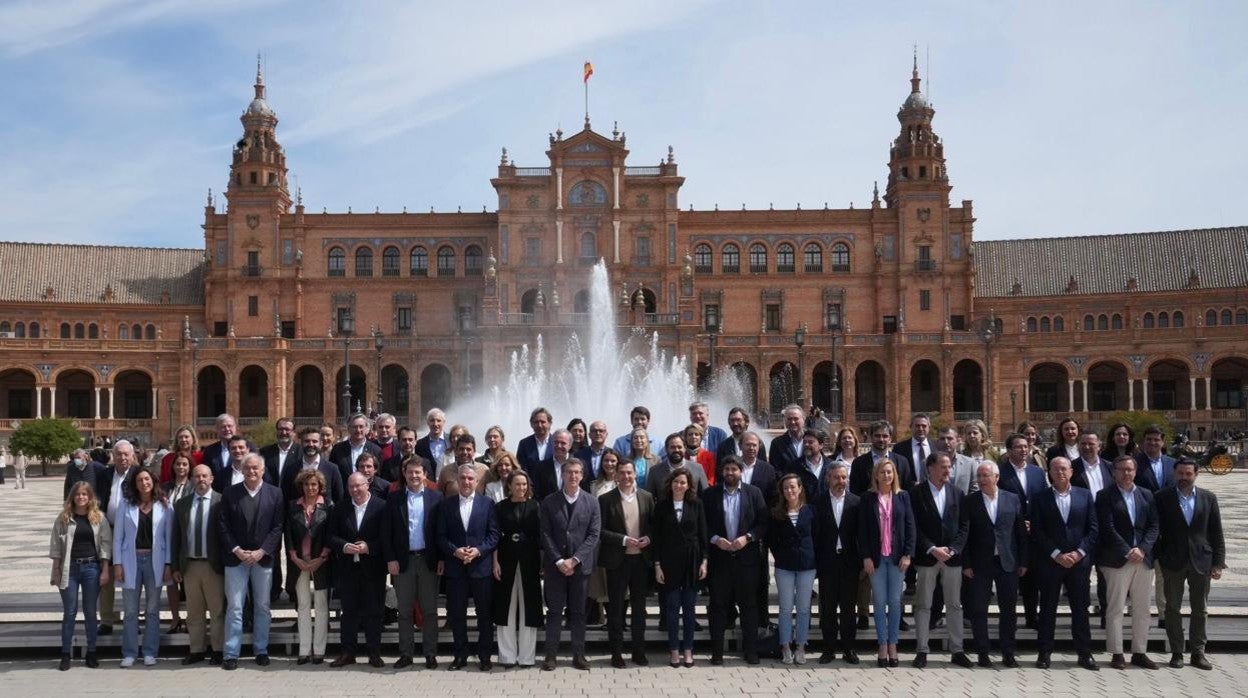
x=465 y=510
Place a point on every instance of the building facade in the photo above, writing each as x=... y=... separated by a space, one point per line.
x=874 y=312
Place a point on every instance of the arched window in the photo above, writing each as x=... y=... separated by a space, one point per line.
x=589 y=246
x=1211 y=317
x=1148 y=321
x=472 y=261
x=1044 y=324
x=1102 y=322
x=5 y=326
x=730 y=259
x=337 y=262
x=93 y=330
x=587 y=193
x=34 y=330
x=19 y=330
x=136 y=332
x=1241 y=317
x=1089 y=323
x=123 y=332
x=80 y=331
x=1059 y=325
x=446 y=261
x=1115 y=322
x=390 y=261
x=364 y=261
x=1032 y=326
x=1226 y=316
x=419 y=263
x=758 y=258
x=1163 y=319
x=840 y=257
x=1177 y=318
x=812 y=258
x=150 y=332
x=702 y=258
x=785 y=258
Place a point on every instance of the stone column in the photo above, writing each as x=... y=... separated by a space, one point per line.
x=110 y=402
x=1131 y=395
x=1086 y=408
x=1145 y=397
x=97 y=402
x=52 y=403
x=1209 y=392
x=1192 y=405
x=155 y=403
x=39 y=401
x=1070 y=394
x=1026 y=396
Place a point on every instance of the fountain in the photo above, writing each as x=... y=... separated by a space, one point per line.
x=599 y=376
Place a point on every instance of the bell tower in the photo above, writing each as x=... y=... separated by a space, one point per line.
x=258 y=170
x=916 y=162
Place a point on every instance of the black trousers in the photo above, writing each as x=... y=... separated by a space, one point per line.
x=632 y=577
x=1051 y=578
x=838 y=593
x=458 y=591
x=1007 y=599
x=1029 y=594
x=734 y=586
x=362 y=591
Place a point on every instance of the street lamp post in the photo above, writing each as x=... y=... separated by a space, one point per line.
x=379 y=345
x=799 y=338
x=170 y=404
x=988 y=334
x=194 y=383
x=346 y=327
x=1013 y=405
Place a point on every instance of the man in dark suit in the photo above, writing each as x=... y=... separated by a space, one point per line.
x=388 y=447
x=881 y=433
x=1127 y=519
x=1092 y=473
x=548 y=474
x=759 y=473
x=995 y=555
x=1024 y=479
x=813 y=464
x=434 y=445
x=217 y=454
x=276 y=455
x=1065 y=529
x=739 y=426
x=196 y=562
x=404 y=447
x=378 y=486
x=918 y=447
x=1154 y=471
x=310 y=457
x=355 y=535
x=1192 y=550
x=82 y=468
x=736 y=519
x=536 y=447
x=467 y=535
x=838 y=563
x=940 y=537
x=571 y=524
x=625 y=557
x=591 y=454
x=345 y=453
x=251 y=529
x=674 y=450
x=412 y=560
x=786 y=449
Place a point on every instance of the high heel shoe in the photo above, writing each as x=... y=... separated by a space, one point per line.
x=881 y=661
x=892 y=662
x=179 y=626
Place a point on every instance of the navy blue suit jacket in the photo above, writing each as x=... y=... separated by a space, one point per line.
x=1080 y=479
x=1007 y=536
x=482 y=534
x=265 y=535
x=526 y=452
x=1036 y=482
x=1118 y=535
x=1144 y=476
x=933 y=530
x=340 y=455
x=395 y=542
x=869 y=526
x=1080 y=530
x=782 y=456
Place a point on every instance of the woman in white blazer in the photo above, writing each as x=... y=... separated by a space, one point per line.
x=141 y=561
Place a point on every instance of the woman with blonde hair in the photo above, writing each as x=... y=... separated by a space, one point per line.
x=886 y=539
x=976 y=444
x=503 y=465
x=640 y=456
x=185 y=443
x=81 y=547
x=494 y=447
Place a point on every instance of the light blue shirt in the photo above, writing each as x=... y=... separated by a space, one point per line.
x=1157 y=470
x=415 y=520
x=1188 y=504
x=437 y=447
x=1128 y=496
x=732 y=512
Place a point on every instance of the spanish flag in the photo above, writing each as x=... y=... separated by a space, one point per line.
x=589 y=70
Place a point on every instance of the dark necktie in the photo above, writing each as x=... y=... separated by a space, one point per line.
x=918 y=467
x=199 y=527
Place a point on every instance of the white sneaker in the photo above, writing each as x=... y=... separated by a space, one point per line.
x=151 y=661
x=799 y=655
x=786 y=655
x=127 y=662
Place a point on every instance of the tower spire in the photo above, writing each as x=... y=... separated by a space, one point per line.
x=914 y=73
x=259 y=78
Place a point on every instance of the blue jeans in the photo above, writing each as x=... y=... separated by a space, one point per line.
x=886 y=599
x=87 y=577
x=145 y=582
x=237 y=579
x=794 y=588
x=680 y=616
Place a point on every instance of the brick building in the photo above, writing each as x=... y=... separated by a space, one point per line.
x=916 y=314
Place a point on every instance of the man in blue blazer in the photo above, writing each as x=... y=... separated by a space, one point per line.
x=1093 y=473
x=467 y=536
x=995 y=555
x=217 y=454
x=412 y=560
x=1127 y=518
x=1025 y=480
x=1154 y=471
x=1064 y=529
x=251 y=520
x=535 y=447
x=571 y=524
x=736 y=520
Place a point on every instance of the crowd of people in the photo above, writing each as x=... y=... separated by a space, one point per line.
x=569 y=526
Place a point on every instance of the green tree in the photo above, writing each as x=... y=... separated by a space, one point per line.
x=1139 y=421
x=262 y=433
x=45 y=439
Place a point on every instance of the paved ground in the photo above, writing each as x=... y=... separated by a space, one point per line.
x=27 y=517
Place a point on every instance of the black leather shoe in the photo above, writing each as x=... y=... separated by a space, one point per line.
x=984 y=661
x=881 y=662
x=229 y=664
x=851 y=657
x=617 y=661
x=920 y=660
x=215 y=659
x=431 y=662
x=960 y=659
x=1176 y=661
x=485 y=665
x=105 y=629
x=717 y=659
x=458 y=663
x=752 y=659
x=640 y=659
x=1142 y=661
x=1161 y=623
x=64 y=665
x=262 y=660
x=862 y=622
x=1118 y=662
x=1042 y=662
x=548 y=664
x=302 y=661
x=403 y=662
x=193 y=658
x=579 y=662
x=893 y=663
x=1009 y=661
x=93 y=661
x=376 y=662
x=904 y=624
x=1200 y=662
x=342 y=660
x=1087 y=662
x=825 y=658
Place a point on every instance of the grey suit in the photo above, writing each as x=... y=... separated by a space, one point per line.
x=656 y=478
x=569 y=532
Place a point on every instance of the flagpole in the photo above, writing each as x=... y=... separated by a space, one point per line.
x=587 y=102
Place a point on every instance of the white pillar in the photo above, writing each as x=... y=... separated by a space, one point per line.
x=1208 y=392
x=1131 y=395
x=39 y=402
x=615 y=176
x=1086 y=408
x=97 y=402
x=559 y=242
x=1145 y=394
x=615 y=241
x=52 y=404
x=1192 y=405
x=1026 y=396
x=1070 y=398
x=110 y=402
x=558 y=188
x=154 y=402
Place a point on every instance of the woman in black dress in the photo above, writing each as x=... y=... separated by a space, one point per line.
x=517 y=566
x=679 y=534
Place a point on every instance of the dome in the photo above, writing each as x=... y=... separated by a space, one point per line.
x=916 y=100
x=259 y=107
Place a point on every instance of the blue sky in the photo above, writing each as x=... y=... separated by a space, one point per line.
x=1059 y=118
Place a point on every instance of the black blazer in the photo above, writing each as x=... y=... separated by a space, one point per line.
x=92 y=474
x=1117 y=534
x=611 y=540
x=869 y=527
x=1079 y=531
x=395 y=539
x=340 y=455
x=544 y=482
x=1199 y=544
x=828 y=532
x=1079 y=477
x=679 y=546
x=810 y=481
x=728 y=447
x=860 y=472
x=905 y=449
x=482 y=534
x=182 y=522
x=527 y=457
x=212 y=456
x=752 y=520
x=343 y=530
x=266 y=535
x=793 y=545
x=764 y=478
x=273 y=463
x=782 y=458
x=1007 y=536
x=934 y=531
x=297 y=527
x=104 y=489
x=335 y=491
x=570 y=536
